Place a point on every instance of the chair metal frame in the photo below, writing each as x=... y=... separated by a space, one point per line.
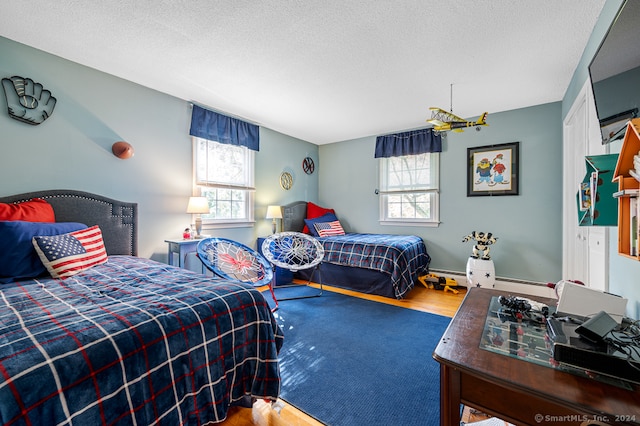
x=236 y=262
x=294 y=251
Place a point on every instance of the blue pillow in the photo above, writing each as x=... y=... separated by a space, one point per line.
x=18 y=257
x=327 y=217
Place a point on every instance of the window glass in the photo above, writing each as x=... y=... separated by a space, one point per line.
x=409 y=189
x=224 y=174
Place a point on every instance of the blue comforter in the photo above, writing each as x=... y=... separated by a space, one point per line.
x=131 y=342
x=403 y=257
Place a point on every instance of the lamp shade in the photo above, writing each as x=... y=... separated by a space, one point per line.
x=274 y=212
x=198 y=205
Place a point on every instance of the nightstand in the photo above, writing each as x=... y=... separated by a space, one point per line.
x=282 y=276
x=181 y=248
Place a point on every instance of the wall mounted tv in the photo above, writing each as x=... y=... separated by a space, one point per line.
x=615 y=73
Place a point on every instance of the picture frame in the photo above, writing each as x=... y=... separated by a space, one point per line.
x=493 y=170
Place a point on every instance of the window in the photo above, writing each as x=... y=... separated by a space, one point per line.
x=409 y=190
x=224 y=174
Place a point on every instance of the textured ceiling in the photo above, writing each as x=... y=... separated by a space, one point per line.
x=322 y=71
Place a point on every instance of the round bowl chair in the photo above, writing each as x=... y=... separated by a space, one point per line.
x=234 y=261
x=294 y=251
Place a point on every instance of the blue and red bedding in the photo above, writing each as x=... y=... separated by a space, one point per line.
x=403 y=257
x=133 y=341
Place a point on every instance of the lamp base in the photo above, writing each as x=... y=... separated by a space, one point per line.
x=198 y=227
x=273 y=226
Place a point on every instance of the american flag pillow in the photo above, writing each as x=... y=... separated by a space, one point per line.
x=67 y=254
x=326 y=229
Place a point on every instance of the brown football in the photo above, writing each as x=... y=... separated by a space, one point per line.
x=122 y=150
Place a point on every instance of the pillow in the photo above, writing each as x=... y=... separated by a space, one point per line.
x=327 y=229
x=66 y=255
x=314 y=211
x=310 y=223
x=18 y=259
x=34 y=210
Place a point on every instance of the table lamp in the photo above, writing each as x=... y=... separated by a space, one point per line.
x=197 y=206
x=274 y=212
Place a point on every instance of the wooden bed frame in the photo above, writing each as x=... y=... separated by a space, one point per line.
x=118 y=220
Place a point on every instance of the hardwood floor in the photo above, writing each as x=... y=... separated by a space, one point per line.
x=264 y=414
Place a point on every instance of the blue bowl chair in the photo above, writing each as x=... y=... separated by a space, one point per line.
x=294 y=251
x=234 y=261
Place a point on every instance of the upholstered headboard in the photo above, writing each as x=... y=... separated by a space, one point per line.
x=118 y=220
x=293 y=216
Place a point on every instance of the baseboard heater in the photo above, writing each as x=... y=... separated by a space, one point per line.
x=502 y=283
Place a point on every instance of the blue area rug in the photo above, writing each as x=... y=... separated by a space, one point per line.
x=350 y=361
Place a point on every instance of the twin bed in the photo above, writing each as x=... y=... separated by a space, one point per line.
x=127 y=341
x=380 y=264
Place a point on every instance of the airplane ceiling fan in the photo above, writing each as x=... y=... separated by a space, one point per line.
x=444 y=121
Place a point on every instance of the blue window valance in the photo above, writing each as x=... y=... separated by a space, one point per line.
x=220 y=128
x=408 y=143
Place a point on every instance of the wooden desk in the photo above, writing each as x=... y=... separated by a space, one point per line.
x=517 y=391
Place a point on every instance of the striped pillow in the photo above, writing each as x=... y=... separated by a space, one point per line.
x=326 y=229
x=67 y=254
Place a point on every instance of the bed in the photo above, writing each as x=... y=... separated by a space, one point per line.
x=127 y=340
x=381 y=264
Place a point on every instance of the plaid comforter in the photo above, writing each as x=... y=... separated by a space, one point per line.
x=132 y=342
x=404 y=257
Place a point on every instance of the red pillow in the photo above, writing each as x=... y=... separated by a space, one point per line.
x=314 y=211
x=34 y=210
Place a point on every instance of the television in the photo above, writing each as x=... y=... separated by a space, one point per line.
x=615 y=73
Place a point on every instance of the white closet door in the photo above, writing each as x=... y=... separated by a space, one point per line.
x=598 y=235
x=585 y=249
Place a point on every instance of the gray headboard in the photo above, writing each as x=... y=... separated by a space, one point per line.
x=118 y=220
x=293 y=216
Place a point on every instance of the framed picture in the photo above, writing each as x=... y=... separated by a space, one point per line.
x=493 y=170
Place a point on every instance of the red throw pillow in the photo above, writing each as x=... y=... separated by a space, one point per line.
x=34 y=210
x=314 y=211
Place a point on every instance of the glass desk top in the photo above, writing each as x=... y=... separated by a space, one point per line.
x=525 y=338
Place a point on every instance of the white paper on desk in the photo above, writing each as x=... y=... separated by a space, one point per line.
x=586 y=302
x=493 y=421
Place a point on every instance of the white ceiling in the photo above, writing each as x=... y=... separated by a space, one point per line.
x=322 y=70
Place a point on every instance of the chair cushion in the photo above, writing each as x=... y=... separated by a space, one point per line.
x=234 y=261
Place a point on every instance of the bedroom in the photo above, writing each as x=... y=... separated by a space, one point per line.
x=72 y=150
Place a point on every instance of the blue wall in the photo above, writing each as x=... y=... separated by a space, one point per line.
x=623 y=272
x=72 y=149
x=529 y=226
x=94 y=109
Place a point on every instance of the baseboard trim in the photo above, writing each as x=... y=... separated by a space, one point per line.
x=503 y=283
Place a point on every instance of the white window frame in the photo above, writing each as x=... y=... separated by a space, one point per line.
x=202 y=183
x=431 y=188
